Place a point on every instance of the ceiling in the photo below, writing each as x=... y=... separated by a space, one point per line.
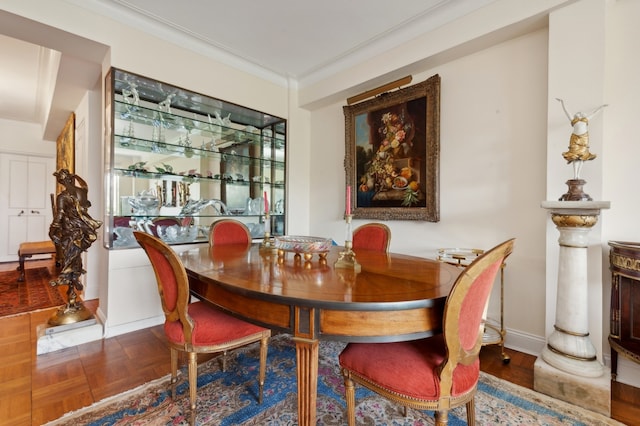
x=299 y=40
x=294 y=38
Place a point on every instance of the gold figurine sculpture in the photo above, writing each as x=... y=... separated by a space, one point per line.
x=578 y=151
x=579 y=140
x=72 y=231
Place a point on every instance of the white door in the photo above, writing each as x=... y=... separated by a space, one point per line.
x=26 y=185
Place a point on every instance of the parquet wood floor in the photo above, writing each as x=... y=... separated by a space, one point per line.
x=36 y=389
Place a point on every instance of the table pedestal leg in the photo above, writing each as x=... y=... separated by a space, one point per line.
x=307 y=375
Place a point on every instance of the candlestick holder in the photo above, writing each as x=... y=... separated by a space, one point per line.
x=347 y=258
x=267 y=241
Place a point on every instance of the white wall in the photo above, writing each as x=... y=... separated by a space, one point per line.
x=89 y=157
x=492 y=173
x=19 y=137
x=621 y=148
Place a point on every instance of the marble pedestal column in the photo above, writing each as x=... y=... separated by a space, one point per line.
x=569 y=347
x=568 y=368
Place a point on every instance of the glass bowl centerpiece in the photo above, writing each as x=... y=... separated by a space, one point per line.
x=302 y=246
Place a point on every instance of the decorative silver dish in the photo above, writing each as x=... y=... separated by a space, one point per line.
x=458 y=256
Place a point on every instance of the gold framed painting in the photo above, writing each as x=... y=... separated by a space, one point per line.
x=392 y=147
x=65 y=148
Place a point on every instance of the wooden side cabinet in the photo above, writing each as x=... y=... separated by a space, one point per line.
x=624 y=336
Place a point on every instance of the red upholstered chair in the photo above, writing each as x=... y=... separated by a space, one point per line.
x=440 y=372
x=122 y=221
x=195 y=327
x=372 y=236
x=229 y=231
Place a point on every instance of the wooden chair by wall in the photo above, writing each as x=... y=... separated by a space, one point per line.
x=229 y=231
x=372 y=236
x=440 y=372
x=195 y=327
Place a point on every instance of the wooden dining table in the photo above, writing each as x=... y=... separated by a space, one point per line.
x=394 y=297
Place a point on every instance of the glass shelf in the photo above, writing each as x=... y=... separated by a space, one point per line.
x=190 y=125
x=162 y=149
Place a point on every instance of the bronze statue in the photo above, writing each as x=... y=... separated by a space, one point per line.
x=72 y=231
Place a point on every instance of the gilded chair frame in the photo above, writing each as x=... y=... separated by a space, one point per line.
x=456 y=354
x=180 y=313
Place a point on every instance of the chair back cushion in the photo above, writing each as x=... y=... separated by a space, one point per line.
x=372 y=236
x=171 y=277
x=463 y=322
x=167 y=285
x=229 y=231
x=472 y=312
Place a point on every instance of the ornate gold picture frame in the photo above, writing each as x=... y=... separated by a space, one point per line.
x=392 y=149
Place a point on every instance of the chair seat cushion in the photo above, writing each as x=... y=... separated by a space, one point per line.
x=211 y=327
x=407 y=368
x=36 y=247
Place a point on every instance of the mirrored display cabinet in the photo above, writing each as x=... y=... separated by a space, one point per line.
x=177 y=161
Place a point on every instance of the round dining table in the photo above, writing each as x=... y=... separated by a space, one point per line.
x=393 y=297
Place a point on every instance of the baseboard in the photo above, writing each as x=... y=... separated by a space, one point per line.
x=111 y=331
x=628 y=371
x=522 y=342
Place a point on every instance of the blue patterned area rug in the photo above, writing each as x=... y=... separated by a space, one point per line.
x=229 y=398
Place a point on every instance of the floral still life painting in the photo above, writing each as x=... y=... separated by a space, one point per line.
x=391 y=160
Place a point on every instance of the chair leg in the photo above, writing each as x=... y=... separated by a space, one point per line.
x=263 y=366
x=442 y=418
x=471 y=412
x=174 y=371
x=193 y=380
x=223 y=361
x=350 y=397
x=21 y=267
